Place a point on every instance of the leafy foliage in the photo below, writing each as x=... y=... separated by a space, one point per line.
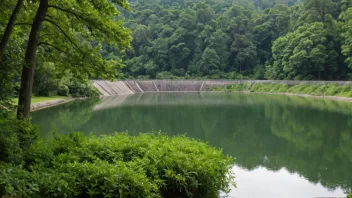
x=76 y=32
x=307 y=52
x=68 y=33
x=316 y=89
x=148 y=165
x=16 y=137
x=48 y=82
x=206 y=39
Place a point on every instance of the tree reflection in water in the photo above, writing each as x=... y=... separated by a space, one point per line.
x=310 y=137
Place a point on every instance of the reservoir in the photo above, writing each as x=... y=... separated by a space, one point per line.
x=285 y=146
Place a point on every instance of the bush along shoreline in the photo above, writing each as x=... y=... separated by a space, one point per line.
x=148 y=165
x=316 y=89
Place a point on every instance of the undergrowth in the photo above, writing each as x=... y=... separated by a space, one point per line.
x=148 y=165
x=301 y=88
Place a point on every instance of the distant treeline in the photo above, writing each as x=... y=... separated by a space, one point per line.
x=236 y=39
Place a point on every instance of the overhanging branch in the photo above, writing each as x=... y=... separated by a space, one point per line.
x=53 y=46
x=79 y=17
x=29 y=24
x=84 y=55
x=65 y=34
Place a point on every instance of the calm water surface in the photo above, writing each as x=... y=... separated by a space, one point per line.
x=285 y=146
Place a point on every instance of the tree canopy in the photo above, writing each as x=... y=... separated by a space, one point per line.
x=302 y=40
x=70 y=34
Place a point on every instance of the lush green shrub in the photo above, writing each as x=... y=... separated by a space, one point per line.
x=10 y=71
x=16 y=136
x=63 y=90
x=45 y=81
x=302 y=88
x=259 y=87
x=82 y=88
x=259 y=72
x=6 y=107
x=148 y=165
x=349 y=76
x=165 y=75
x=232 y=75
x=282 y=88
x=143 y=77
x=346 y=91
x=48 y=82
x=239 y=87
x=298 y=89
x=273 y=87
x=15 y=181
x=311 y=89
x=232 y=87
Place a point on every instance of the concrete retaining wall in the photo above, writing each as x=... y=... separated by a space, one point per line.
x=49 y=103
x=109 y=88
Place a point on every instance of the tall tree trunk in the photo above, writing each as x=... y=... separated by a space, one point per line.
x=6 y=37
x=24 y=99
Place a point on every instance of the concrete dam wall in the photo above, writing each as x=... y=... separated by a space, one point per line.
x=127 y=87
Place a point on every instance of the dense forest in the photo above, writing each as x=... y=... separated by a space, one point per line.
x=236 y=39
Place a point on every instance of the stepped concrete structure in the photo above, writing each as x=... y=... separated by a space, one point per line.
x=128 y=87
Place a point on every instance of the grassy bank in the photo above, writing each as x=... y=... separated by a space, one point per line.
x=302 y=88
x=148 y=165
x=36 y=99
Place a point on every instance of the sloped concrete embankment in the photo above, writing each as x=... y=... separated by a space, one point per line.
x=49 y=103
x=110 y=88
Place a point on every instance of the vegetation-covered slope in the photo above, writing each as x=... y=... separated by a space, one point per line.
x=230 y=39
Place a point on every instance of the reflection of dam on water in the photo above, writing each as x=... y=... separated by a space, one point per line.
x=157 y=99
x=219 y=99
